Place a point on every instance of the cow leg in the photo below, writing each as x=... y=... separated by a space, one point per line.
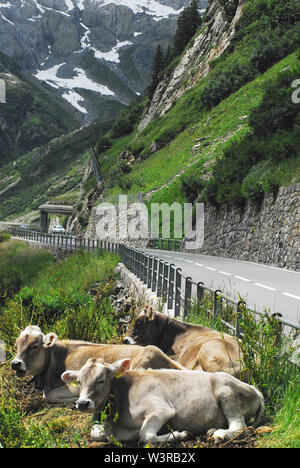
x=62 y=395
x=232 y=411
x=103 y=433
x=154 y=422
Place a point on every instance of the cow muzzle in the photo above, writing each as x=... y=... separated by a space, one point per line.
x=19 y=367
x=85 y=405
x=129 y=341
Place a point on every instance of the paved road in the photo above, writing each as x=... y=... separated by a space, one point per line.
x=262 y=287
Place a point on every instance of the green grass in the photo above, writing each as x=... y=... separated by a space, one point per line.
x=19 y=265
x=286 y=426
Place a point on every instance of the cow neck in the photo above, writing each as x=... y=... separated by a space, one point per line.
x=161 y=338
x=39 y=379
x=166 y=340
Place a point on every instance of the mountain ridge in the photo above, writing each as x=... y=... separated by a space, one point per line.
x=119 y=36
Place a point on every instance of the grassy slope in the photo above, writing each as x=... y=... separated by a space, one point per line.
x=225 y=123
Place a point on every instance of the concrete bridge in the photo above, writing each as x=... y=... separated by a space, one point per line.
x=46 y=210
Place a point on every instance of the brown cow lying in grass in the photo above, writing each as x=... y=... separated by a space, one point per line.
x=145 y=401
x=193 y=346
x=46 y=358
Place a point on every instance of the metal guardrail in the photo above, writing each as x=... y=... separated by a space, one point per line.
x=65 y=241
x=173 y=245
x=164 y=279
x=180 y=292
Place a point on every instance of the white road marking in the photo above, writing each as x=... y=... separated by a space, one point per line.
x=265 y=287
x=292 y=296
x=225 y=273
x=189 y=261
x=199 y=264
x=210 y=268
x=242 y=279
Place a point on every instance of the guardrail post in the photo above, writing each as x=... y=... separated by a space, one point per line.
x=276 y=316
x=178 y=292
x=146 y=269
x=150 y=272
x=241 y=306
x=142 y=267
x=160 y=278
x=200 y=291
x=187 y=295
x=217 y=307
x=154 y=278
x=171 y=286
x=165 y=279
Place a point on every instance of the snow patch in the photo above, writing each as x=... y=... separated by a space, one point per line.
x=79 y=81
x=113 y=54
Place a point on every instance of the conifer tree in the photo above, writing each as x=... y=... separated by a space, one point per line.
x=187 y=24
x=158 y=65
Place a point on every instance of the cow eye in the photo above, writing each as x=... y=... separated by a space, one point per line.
x=34 y=347
x=99 y=382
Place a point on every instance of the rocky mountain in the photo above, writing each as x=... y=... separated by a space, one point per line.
x=31 y=115
x=96 y=53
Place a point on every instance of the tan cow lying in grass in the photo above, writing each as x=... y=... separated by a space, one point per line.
x=193 y=346
x=145 y=401
x=46 y=358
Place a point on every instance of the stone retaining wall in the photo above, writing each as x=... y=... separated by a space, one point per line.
x=269 y=233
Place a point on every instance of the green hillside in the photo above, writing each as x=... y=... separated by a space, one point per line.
x=232 y=137
x=47 y=172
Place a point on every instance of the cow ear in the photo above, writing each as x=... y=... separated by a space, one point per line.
x=69 y=375
x=49 y=340
x=119 y=367
x=150 y=314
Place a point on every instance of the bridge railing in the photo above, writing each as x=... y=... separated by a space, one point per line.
x=178 y=292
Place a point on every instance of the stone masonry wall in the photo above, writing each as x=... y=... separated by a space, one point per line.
x=267 y=234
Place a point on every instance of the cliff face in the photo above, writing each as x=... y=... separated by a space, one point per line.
x=96 y=53
x=212 y=41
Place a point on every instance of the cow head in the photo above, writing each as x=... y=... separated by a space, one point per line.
x=32 y=346
x=146 y=328
x=95 y=379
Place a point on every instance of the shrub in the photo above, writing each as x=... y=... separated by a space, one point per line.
x=191 y=187
x=92 y=322
x=103 y=144
x=225 y=80
x=266 y=352
x=121 y=127
x=4 y=237
x=167 y=134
